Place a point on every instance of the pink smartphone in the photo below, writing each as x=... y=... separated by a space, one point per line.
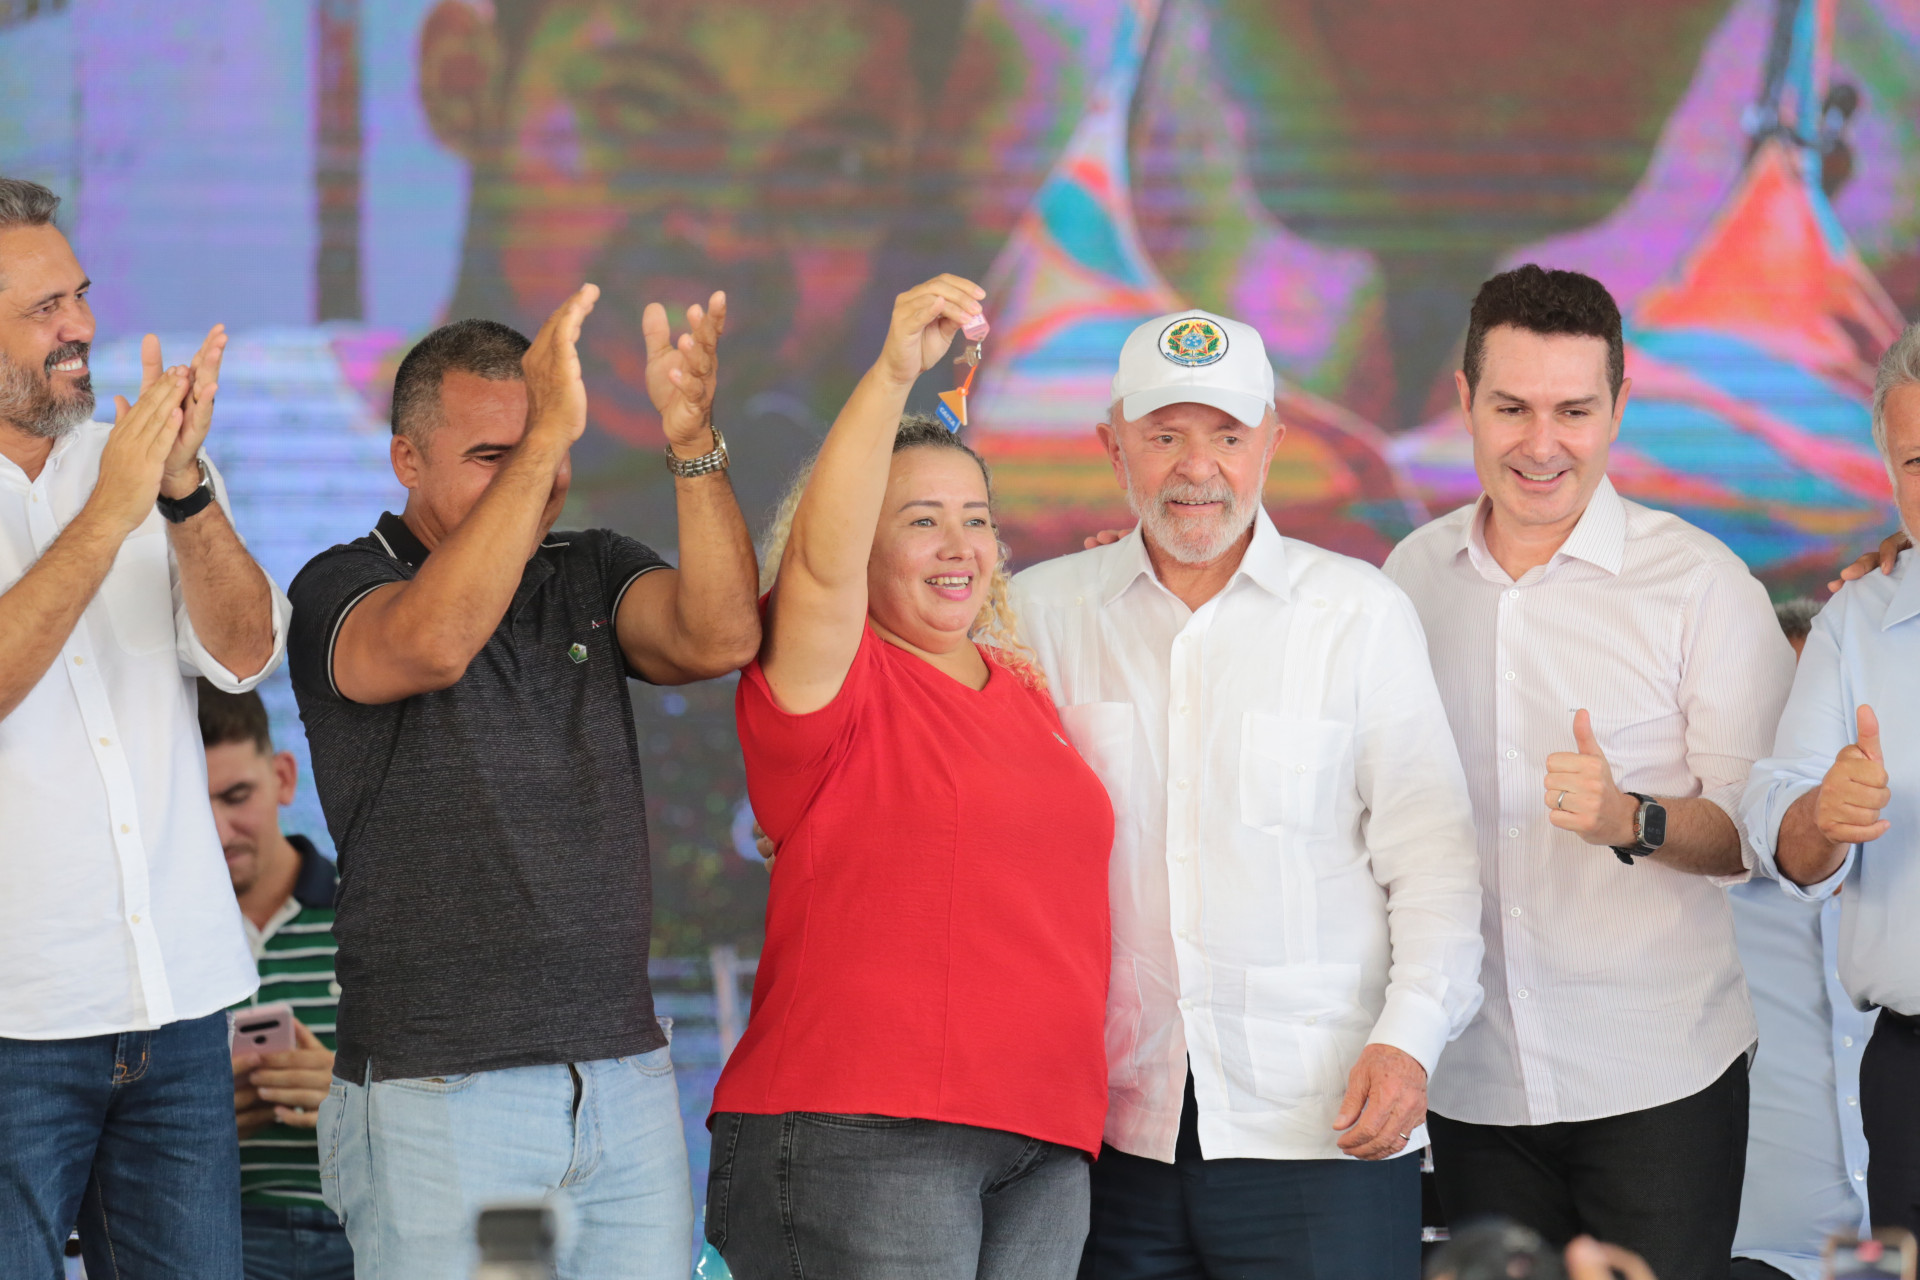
x=266 y=1028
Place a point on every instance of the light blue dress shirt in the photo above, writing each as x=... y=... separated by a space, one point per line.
x=1806 y=1153
x=1864 y=648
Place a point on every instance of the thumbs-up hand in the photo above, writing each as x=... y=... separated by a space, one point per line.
x=1580 y=793
x=1847 y=808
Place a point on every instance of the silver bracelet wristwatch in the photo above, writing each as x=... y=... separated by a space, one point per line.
x=706 y=463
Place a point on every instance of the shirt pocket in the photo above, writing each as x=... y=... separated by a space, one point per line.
x=1102 y=732
x=1300 y=1031
x=1290 y=773
x=139 y=591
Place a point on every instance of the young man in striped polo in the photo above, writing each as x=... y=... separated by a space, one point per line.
x=286 y=891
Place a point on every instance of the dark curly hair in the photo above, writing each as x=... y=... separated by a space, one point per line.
x=1546 y=302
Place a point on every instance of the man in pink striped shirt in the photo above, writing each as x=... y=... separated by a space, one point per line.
x=1610 y=673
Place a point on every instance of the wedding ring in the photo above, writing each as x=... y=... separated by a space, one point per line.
x=1406 y=1137
x=1557 y=803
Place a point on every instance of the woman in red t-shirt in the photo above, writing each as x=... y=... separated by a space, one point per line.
x=924 y=1075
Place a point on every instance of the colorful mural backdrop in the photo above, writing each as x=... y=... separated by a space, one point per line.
x=333 y=179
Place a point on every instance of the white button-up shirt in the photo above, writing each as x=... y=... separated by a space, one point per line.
x=1864 y=648
x=1806 y=1149
x=116 y=911
x=1293 y=873
x=1610 y=988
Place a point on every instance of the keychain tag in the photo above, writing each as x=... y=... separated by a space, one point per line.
x=952 y=410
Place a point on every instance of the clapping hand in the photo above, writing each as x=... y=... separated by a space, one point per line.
x=556 y=392
x=182 y=473
x=1580 y=792
x=681 y=376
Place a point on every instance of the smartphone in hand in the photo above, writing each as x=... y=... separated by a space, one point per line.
x=265 y=1028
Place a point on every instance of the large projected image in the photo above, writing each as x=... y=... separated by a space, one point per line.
x=332 y=180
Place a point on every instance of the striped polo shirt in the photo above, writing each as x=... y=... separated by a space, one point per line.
x=280 y=1165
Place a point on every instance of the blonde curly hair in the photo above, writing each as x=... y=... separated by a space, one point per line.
x=994 y=626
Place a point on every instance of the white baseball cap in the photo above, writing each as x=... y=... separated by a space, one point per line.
x=1194 y=357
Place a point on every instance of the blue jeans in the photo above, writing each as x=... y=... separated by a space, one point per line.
x=294 y=1243
x=409 y=1164
x=132 y=1137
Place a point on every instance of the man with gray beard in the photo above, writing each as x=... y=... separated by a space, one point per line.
x=121 y=945
x=1294 y=886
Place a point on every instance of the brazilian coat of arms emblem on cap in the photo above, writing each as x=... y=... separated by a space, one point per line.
x=1193 y=341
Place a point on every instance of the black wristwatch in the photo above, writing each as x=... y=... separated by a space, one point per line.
x=1649 y=830
x=178 y=510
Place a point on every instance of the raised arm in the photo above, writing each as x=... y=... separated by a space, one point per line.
x=38 y=612
x=414 y=637
x=700 y=621
x=819 y=603
x=227 y=595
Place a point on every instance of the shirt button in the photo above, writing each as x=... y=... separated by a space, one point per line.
x=1181 y=784
x=79 y=662
x=1313 y=1019
x=1319 y=604
x=134 y=919
x=1183 y=708
x=1186 y=1004
x=1521 y=993
x=1184 y=934
x=333 y=988
x=1513 y=595
x=1513 y=911
x=105 y=743
x=1512 y=754
x=1847 y=1041
x=1299 y=768
x=1513 y=832
x=124 y=828
x=36 y=497
x=1859 y=1175
x=1853 y=1102
x=1509 y=675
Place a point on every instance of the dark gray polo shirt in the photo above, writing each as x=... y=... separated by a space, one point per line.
x=495 y=897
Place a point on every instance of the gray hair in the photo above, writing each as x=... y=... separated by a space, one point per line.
x=1900 y=367
x=1796 y=617
x=25 y=204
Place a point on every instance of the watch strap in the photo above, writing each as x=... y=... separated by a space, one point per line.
x=1639 y=848
x=179 y=510
x=713 y=460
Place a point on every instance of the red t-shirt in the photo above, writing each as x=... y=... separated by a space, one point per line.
x=937 y=930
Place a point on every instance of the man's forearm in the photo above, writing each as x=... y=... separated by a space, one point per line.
x=1802 y=854
x=39 y=612
x=459 y=596
x=1701 y=839
x=717 y=609
x=228 y=599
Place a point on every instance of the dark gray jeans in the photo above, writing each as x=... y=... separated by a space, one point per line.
x=807 y=1196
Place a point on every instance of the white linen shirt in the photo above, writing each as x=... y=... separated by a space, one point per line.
x=1859 y=651
x=1610 y=989
x=1293 y=873
x=116 y=910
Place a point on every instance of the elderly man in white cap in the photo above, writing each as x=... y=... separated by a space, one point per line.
x=1294 y=885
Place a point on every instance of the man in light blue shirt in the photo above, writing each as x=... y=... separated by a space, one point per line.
x=1806 y=1152
x=1838 y=803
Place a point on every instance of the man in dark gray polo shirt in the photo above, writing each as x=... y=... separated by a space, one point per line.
x=462 y=672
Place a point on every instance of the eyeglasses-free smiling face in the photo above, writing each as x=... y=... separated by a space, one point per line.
x=1543 y=420
x=934 y=551
x=1193 y=475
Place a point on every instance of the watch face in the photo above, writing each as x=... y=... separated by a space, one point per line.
x=1653 y=825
